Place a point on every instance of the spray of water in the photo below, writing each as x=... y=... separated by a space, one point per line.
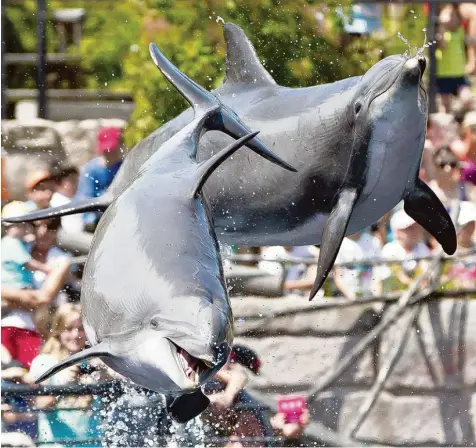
x=417 y=51
x=138 y=418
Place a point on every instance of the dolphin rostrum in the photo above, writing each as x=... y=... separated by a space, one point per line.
x=154 y=302
x=357 y=144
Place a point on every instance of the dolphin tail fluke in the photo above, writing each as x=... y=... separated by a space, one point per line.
x=81 y=206
x=186 y=407
x=334 y=233
x=223 y=119
x=96 y=351
x=206 y=168
x=422 y=204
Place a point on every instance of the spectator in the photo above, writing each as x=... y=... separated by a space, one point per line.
x=297 y=278
x=98 y=174
x=461 y=273
x=465 y=148
x=468 y=14
x=39 y=187
x=45 y=250
x=452 y=59
x=65 y=417
x=447 y=184
x=19 y=296
x=16 y=417
x=71 y=235
x=5 y=191
x=356 y=281
x=225 y=391
x=290 y=431
x=66 y=180
x=407 y=246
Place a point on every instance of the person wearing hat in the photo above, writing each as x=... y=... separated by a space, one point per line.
x=72 y=235
x=19 y=296
x=448 y=184
x=97 y=175
x=407 y=246
x=39 y=188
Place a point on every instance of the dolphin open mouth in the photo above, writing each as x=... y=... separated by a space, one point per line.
x=192 y=367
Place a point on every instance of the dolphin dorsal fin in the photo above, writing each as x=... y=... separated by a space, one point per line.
x=242 y=63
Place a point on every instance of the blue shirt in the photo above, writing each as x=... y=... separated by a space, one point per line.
x=15 y=255
x=96 y=177
x=94 y=180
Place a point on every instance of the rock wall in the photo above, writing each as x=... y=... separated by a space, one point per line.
x=36 y=143
x=429 y=399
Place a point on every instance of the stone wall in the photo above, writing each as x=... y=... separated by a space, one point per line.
x=429 y=398
x=35 y=143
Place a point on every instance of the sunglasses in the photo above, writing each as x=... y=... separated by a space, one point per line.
x=442 y=166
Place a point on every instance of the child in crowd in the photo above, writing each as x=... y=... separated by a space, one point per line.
x=408 y=244
x=67 y=417
x=39 y=188
x=19 y=296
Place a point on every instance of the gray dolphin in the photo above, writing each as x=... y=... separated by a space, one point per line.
x=154 y=302
x=357 y=144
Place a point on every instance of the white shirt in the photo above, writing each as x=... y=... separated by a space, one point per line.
x=394 y=250
x=275 y=268
x=71 y=223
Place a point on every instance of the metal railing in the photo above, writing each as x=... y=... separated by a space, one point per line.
x=111 y=390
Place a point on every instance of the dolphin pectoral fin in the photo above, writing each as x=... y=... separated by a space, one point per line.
x=188 y=406
x=422 y=204
x=205 y=169
x=82 y=206
x=334 y=233
x=96 y=351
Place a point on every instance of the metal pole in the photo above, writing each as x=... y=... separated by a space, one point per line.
x=41 y=61
x=432 y=18
x=4 y=68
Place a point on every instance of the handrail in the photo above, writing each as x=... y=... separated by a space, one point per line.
x=374 y=261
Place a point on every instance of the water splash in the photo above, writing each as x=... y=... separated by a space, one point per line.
x=138 y=418
x=405 y=41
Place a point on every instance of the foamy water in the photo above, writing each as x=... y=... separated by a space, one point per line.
x=138 y=418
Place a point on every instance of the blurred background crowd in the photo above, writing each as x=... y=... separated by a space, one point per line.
x=41 y=278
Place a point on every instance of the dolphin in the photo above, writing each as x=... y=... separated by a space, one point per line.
x=356 y=143
x=154 y=301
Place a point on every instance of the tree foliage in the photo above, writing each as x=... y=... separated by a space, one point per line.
x=295 y=47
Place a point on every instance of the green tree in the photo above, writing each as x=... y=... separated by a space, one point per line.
x=285 y=34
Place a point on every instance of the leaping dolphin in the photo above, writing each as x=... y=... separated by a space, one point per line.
x=154 y=301
x=357 y=144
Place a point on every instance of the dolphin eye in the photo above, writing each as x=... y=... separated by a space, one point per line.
x=357 y=107
x=154 y=324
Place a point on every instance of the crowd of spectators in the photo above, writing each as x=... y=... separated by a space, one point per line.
x=41 y=322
